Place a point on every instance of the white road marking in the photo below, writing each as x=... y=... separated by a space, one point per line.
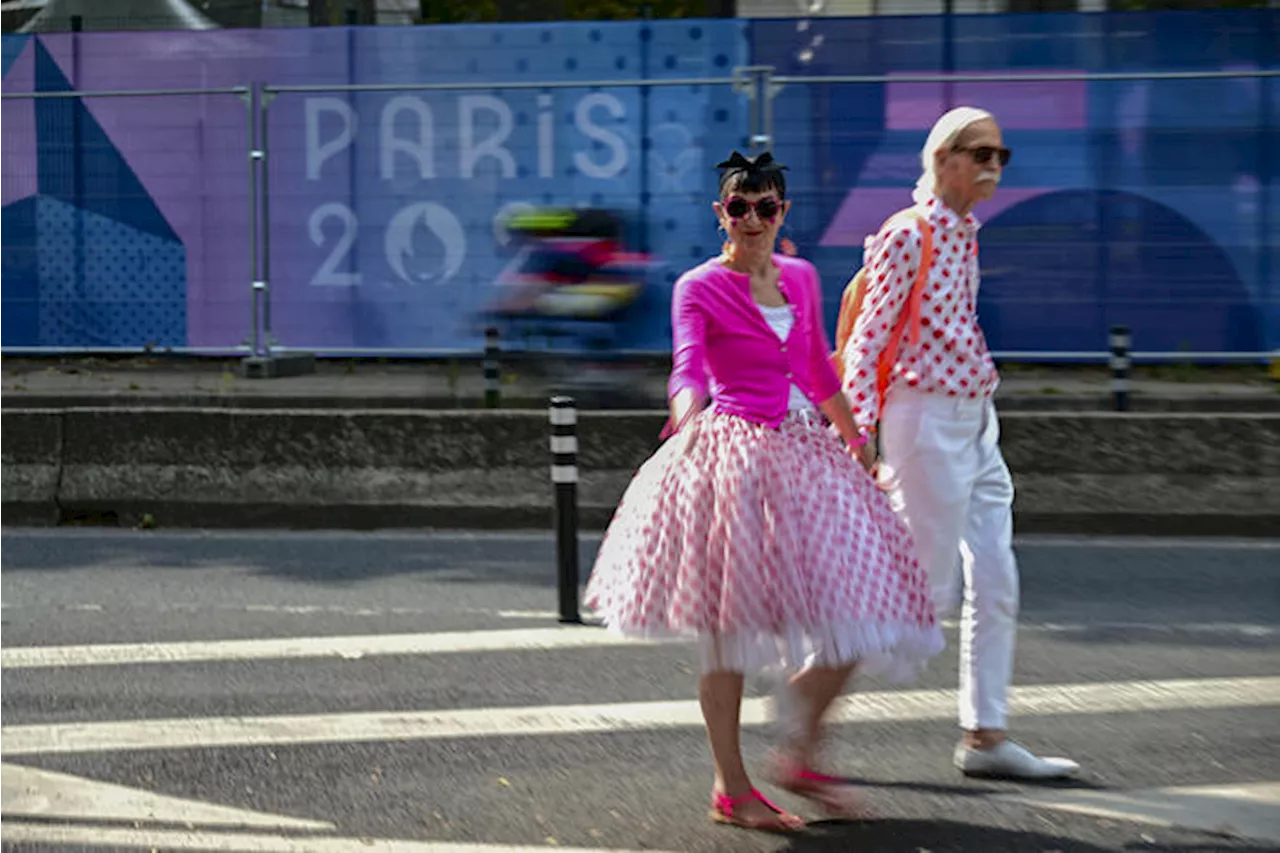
x=284 y=648
x=1209 y=543
x=1034 y=700
x=354 y=647
x=1246 y=629
x=534 y=614
x=1241 y=629
x=31 y=792
x=1082 y=540
x=1243 y=810
x=166 y=839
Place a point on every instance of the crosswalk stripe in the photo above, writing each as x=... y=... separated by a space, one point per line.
x=45 y=794
x=285 y=648
x=22 y=832
x=1034 y=700
x=354 y=647
x=1248 y=809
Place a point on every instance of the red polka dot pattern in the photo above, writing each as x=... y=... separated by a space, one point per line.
x=951 y=356
x=775 y=543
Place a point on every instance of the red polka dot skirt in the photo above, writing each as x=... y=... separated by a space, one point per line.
x=771 y=548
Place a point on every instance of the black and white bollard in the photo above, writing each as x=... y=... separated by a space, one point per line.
x=564 y=476
x=492 y=381
x=1120 y=367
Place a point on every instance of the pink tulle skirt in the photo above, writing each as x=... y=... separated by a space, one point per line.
x=772 y=548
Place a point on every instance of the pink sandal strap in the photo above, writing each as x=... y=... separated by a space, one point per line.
x=790 y=772
x=724 y=806
x=727 y=805
x=806 y=775
x=831 y=792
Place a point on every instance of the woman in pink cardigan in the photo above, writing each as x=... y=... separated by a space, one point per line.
x=753 y=529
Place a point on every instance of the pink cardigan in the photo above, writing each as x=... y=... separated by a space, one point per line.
x=723 y=344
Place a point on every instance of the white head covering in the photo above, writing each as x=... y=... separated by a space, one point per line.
x=944 y=133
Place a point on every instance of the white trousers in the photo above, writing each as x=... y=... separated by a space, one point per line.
x=942 y=466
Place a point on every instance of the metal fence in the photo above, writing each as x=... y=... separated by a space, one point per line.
x=1105 y=219
x=390 y=229
x=103 y=253
x=346 y=217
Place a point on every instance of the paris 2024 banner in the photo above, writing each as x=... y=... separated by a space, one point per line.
x=1149 y=202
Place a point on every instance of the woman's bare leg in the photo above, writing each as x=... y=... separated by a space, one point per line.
x=815 y=688
x=720 y=694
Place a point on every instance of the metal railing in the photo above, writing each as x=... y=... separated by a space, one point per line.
x=759 y=86
x=740 y=81
x=105 y=292
x=763 y=134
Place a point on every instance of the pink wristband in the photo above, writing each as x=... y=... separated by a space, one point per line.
x=860 y=441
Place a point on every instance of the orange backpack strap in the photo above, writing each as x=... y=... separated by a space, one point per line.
x=908 y=319
x=908 y=322
x=850 y=304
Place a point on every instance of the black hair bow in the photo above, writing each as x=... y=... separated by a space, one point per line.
x=760 y=164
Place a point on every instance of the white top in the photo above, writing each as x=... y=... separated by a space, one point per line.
x=780 y=319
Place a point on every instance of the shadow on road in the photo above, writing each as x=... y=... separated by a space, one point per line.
x=945 y=836
x=935 y=836
x=975 y=790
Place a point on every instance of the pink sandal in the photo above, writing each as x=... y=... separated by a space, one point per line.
x=834 y=795
x=723 y=807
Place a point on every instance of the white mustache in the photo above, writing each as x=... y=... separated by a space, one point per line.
x=994 y=177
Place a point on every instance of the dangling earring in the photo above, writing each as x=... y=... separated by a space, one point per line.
x=726 y=248
x=786 y=245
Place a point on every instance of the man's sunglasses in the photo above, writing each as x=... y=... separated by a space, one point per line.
x=766 y=208
x=983 y=154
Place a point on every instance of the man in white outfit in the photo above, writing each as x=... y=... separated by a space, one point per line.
x=939 y=456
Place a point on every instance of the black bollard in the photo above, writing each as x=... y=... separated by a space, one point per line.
x=1120 y=367
x=492 y=381
x=564 y=476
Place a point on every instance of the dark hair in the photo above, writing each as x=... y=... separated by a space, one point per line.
x=752 y=175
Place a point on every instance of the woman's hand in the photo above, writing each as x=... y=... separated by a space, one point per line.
x=862 y=447
x=684 y=407
x=866 y=454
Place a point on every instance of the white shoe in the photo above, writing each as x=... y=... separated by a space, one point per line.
x=1011 y=761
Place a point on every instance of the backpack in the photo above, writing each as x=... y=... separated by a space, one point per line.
x=908 y=319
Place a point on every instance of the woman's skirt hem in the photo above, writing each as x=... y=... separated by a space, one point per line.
x=895 y=652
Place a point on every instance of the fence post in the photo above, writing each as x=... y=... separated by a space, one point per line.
x=755 y=83
x=948 y=53
x=646 y=143
x=77 y=171
x=492 y=381
x=264 y=100
x=255 y=283
x=262 y=363
x=564 y=475
x=768 y=91
x=1120 y=367
x=745 y=85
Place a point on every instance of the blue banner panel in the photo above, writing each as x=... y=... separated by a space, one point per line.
x=1146 y=202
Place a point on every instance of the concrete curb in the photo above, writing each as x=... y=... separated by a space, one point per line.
x=1075 y=402
x=1075 y=472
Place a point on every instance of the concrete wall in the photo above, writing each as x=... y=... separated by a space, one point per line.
x=1094 y=471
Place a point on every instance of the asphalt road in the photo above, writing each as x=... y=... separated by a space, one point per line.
x=417 y=688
